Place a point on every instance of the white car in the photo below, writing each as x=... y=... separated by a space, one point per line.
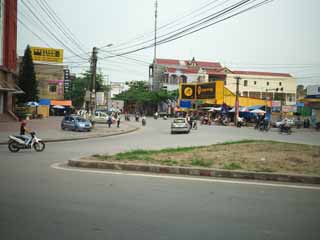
x=180 y=125
x=100 y=117
x=280 y=122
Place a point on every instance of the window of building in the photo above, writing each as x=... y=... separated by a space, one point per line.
x=173 y=79
x=255 y=82
x=267 y=83
x=53 y=88
x=245 y=83
x=280 y=83
x=184 y=79
x=318 y=89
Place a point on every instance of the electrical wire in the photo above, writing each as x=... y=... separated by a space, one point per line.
x=173 y=37
x=47 y=29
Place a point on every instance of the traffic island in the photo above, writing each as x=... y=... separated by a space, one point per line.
x=256 y=160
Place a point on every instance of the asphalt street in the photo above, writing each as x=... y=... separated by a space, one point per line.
x=41 y=202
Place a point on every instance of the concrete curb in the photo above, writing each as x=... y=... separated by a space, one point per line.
x=206 y=172
x=83 y=138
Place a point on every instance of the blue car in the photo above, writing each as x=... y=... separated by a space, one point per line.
x=76 y=123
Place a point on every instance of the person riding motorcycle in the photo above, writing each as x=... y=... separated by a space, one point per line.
x=143 y=120
x=23 y=131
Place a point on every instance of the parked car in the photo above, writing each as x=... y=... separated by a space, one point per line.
x=180 y=125
x=100 y=117
x=277 y=124
x=76 y=123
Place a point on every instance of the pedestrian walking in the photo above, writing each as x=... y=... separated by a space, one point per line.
x=109 y=121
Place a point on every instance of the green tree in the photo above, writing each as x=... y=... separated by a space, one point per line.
x=27 y=79
x=81 y=84
x=143 y=98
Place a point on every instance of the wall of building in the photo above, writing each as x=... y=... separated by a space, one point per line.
x=262 y=86
x=50 y=81
x=10 y=35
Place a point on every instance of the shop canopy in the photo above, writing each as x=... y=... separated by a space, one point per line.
x=66 y=103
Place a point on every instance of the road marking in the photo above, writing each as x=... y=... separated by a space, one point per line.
x=164 y=176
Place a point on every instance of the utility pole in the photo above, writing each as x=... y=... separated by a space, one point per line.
x=236 y=112
x=94 y=60
x=155 y=77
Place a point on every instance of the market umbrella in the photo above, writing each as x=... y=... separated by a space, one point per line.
x=32 y=104
x=257 y=111
x=58 y=107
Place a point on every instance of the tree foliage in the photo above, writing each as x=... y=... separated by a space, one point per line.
x=81 y=84
x=27 y=79
x=140 y=95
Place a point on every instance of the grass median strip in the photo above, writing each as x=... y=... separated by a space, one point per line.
x=247 y=155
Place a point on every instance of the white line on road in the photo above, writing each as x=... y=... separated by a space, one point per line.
x=60 y=167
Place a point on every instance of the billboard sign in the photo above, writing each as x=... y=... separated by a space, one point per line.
x=276 y=103
x=117 y=104
x=47 y=54
x=188 y=91
x=1 y=30
x=100 y=99
x=206 y=90
x=290 y=108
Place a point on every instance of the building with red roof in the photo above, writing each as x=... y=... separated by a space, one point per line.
x=168 y=73
x=264 y=85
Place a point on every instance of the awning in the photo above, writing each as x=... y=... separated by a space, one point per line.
x=313 y=100
x=67 y=103
x=10 y=87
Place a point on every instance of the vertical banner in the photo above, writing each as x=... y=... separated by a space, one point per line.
x=1 y=30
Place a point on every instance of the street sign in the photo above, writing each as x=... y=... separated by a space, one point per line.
x=185 y=104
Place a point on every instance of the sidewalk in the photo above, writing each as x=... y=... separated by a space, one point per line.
x=49 y=130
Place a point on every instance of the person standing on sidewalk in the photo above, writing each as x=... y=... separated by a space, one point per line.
x=118 y=120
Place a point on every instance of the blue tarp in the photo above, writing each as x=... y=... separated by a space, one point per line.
x=45 y=102
x=255 y=107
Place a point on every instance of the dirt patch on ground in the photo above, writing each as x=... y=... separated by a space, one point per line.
x=259 y=156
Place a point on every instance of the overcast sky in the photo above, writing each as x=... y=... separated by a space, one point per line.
x=282 y=36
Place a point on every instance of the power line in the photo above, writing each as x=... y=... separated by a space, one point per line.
x=200 y=21
x=59 y=23
x=174 y=37
x=47 y=29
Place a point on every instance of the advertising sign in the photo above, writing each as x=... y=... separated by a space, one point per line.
x=276 y=103
x=188 y=91
x=206 y=90
x=117 y=104
x=1 y=31
x=100 y=99
x=47 y=54
x=287 y=109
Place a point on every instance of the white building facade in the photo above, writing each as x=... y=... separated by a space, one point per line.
x=264 y=85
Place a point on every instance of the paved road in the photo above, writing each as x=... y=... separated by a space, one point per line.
x=40 y=202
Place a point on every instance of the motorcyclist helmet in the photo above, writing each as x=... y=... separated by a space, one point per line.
x=23 y=123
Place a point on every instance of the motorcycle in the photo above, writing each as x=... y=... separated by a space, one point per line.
x=285 y=129
x=194 y=125
x=18 y=142
x=143 y=121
